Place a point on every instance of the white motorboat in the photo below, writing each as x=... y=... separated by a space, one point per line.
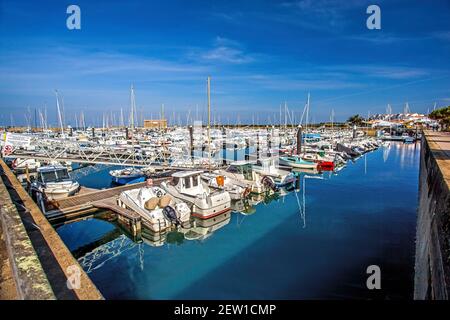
x=127 y=175
x=21 y=165
x=268 y=167
x=297 y=162
x=204 y=202
x=54 y=182
x=241 y=173
x=156 y=207
x=217 y=181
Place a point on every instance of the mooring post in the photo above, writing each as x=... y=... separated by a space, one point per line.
x=299 y=139
x=93 y=132
x=126 y=133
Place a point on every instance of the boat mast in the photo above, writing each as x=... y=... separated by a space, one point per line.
x=132 y=108
x=59 y=113
x=307 y=113
x=209 y=122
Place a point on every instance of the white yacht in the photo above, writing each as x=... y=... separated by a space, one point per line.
x=204 y=202
x=54 y=182
x=158 y=209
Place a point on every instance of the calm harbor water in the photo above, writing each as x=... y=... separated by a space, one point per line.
x=364 y=215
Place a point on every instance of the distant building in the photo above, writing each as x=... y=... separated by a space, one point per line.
x=155 y=124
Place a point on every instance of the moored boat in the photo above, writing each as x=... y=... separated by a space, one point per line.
x=54 y=182
x=204 y=202
x=158 y=209
x=127 y=175
x=297 y=162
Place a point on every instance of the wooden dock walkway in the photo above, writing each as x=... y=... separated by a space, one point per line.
x=87 y=203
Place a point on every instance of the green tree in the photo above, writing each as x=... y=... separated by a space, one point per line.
x=442 y=115
x=355 y=120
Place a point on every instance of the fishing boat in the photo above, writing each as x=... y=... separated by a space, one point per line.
x=203 y=201
x=297 y=162
x=127 y=175
x=158 y=209
x=54 y=182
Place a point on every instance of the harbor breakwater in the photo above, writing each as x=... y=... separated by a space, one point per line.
x=432 y=262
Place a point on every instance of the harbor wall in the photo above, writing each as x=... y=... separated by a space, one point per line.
x=42 y=264
x=432 y=261
x=30 y=281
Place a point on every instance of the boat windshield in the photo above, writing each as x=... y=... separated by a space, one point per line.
x=55 y=176
x=245 y=170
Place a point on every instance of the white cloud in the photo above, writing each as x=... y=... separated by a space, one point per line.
x=227 y=51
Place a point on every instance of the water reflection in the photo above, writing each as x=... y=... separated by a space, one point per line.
x=343 y=220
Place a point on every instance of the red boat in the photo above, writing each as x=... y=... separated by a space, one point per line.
x=326 y=165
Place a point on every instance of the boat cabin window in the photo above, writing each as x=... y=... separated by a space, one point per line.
x=245 y=170
x=233 y=169
x=62 y=174
x=195 y=181
x=49 y=176
x=175 y=180
x=187 y=182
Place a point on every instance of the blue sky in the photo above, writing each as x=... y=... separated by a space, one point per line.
x=258 y=53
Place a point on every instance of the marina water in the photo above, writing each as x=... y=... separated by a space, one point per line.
x=312 y=244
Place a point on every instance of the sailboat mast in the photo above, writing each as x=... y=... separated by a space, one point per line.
x=59 y=113
x=307 y=113
x=209 y=122
x=132 y=108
